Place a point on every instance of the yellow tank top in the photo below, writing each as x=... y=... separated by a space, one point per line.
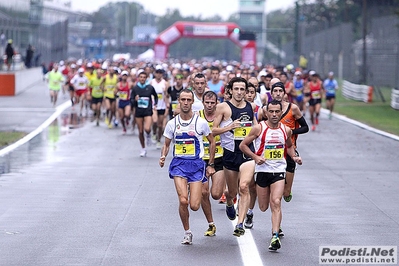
x=95 y=85
x=218 y=149
x=109 y=86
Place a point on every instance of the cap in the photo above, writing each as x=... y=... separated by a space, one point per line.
x=81 y=70
x=73 y=66
x=229 y=68
x=125 y=73
x=331 y=73
x=62 y=63
x=312 y=72
x=158 y=67
x=89 y=65
x=9 y=40
x=262 y=73
x=298 y=73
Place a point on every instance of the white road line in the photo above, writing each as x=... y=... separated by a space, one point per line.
x=249 y=251
x=61 y=108
x=361 y=125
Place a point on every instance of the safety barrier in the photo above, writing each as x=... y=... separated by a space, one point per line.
x=357 y=92
x=15 y=82
x=395 y=98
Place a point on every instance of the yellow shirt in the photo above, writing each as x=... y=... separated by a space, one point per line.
x=110 y=85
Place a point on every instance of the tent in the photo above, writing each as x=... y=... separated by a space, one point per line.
x=149 y=54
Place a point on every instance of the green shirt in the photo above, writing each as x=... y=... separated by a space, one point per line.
x=55 y=80
x=96 y=91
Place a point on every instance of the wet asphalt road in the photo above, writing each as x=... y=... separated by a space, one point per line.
x=89 y=199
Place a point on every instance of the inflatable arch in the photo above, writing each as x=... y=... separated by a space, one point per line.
x=183 y=29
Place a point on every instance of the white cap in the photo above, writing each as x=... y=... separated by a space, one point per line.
x=133 y=71
x=262 y=73
x=331 y=73
x=229 y=68
x=140 y=71
x=73 y=66
x=312 y=72
x=62 y=63
x=158 y=67
x=178 y=65
x=124 y=72
x=298 y=73
x=81 y=70
x=89 y=65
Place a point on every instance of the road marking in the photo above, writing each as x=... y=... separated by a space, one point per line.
x=361 y=125
x=60 y=108
x=249 y=251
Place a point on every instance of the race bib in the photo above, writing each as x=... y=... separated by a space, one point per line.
x=218 y=150
x=274 y=152
x=123 y=95
x=160 y=96
x=242 y=131
x=143 y=102
x=316 y=95
x=81 y=84
x=185 y=147
x=174 y=105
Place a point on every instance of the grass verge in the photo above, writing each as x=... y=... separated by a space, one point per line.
x=377 y=114
x=9 y=137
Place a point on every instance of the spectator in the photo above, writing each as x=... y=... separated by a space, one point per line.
x=29 y=56
x=9 y=53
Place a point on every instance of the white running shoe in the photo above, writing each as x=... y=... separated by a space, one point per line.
x=159 y=145
x=143 y=153
x=188 y=239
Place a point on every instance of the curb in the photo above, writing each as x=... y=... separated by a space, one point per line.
x=59 y=109
x=361 y=125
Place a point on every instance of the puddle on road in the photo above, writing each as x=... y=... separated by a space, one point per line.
x=43 y=146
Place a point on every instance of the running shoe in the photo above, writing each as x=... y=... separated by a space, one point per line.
x=124 y=131
x=288 y=198
x=211 y=230
x=159 y=145
x=280 y=232
x=231 y=212
x=116 y=123
x=313 y=128
x=222 y=199
x=110 y=125
x=249 y=221
x=143 y=153
x=275 y=243
x=188 y=239
x=317 y=120
x=106 y=121
x=239 y=230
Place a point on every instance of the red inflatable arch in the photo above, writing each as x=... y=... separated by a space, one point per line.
x=183 y=29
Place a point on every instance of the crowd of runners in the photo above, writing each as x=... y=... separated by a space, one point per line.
x=232 y=128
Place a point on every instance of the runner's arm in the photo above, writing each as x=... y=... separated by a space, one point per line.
x=244 y=145
x=164 y=151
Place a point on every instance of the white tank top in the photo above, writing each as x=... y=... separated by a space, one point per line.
x=271 y=145
x=197 y=105
x=160 y=90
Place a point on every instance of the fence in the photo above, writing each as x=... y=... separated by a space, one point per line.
x=337 y=49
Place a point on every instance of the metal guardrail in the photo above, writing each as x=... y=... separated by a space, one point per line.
x=357 y=92
x=395 y=98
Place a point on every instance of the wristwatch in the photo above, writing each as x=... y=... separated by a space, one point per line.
x=211 y=164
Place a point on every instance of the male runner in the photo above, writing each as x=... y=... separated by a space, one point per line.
x=330 y=86
x=160 y=85
x=141 y=94
x=97 y=95
x=187 y=168
x=233 y=121
x=210 y=101
x=273 y=141
x=109 y=83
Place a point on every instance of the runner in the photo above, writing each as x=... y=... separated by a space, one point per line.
x=210 y=100
x=187 y=168
x=330 y=86
x=72 y=72
x=124 y=87
x=215 y=84
x=233 y=121
x=55 y=82
x=273 y=142
x=97 y=95
x=160 y=85
x=316 y=91
x=141 y=94
x=299 y=84
x=109 y=83
x=80 y=84
x=173 y=94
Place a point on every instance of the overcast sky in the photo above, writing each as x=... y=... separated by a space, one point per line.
x=205 y=8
